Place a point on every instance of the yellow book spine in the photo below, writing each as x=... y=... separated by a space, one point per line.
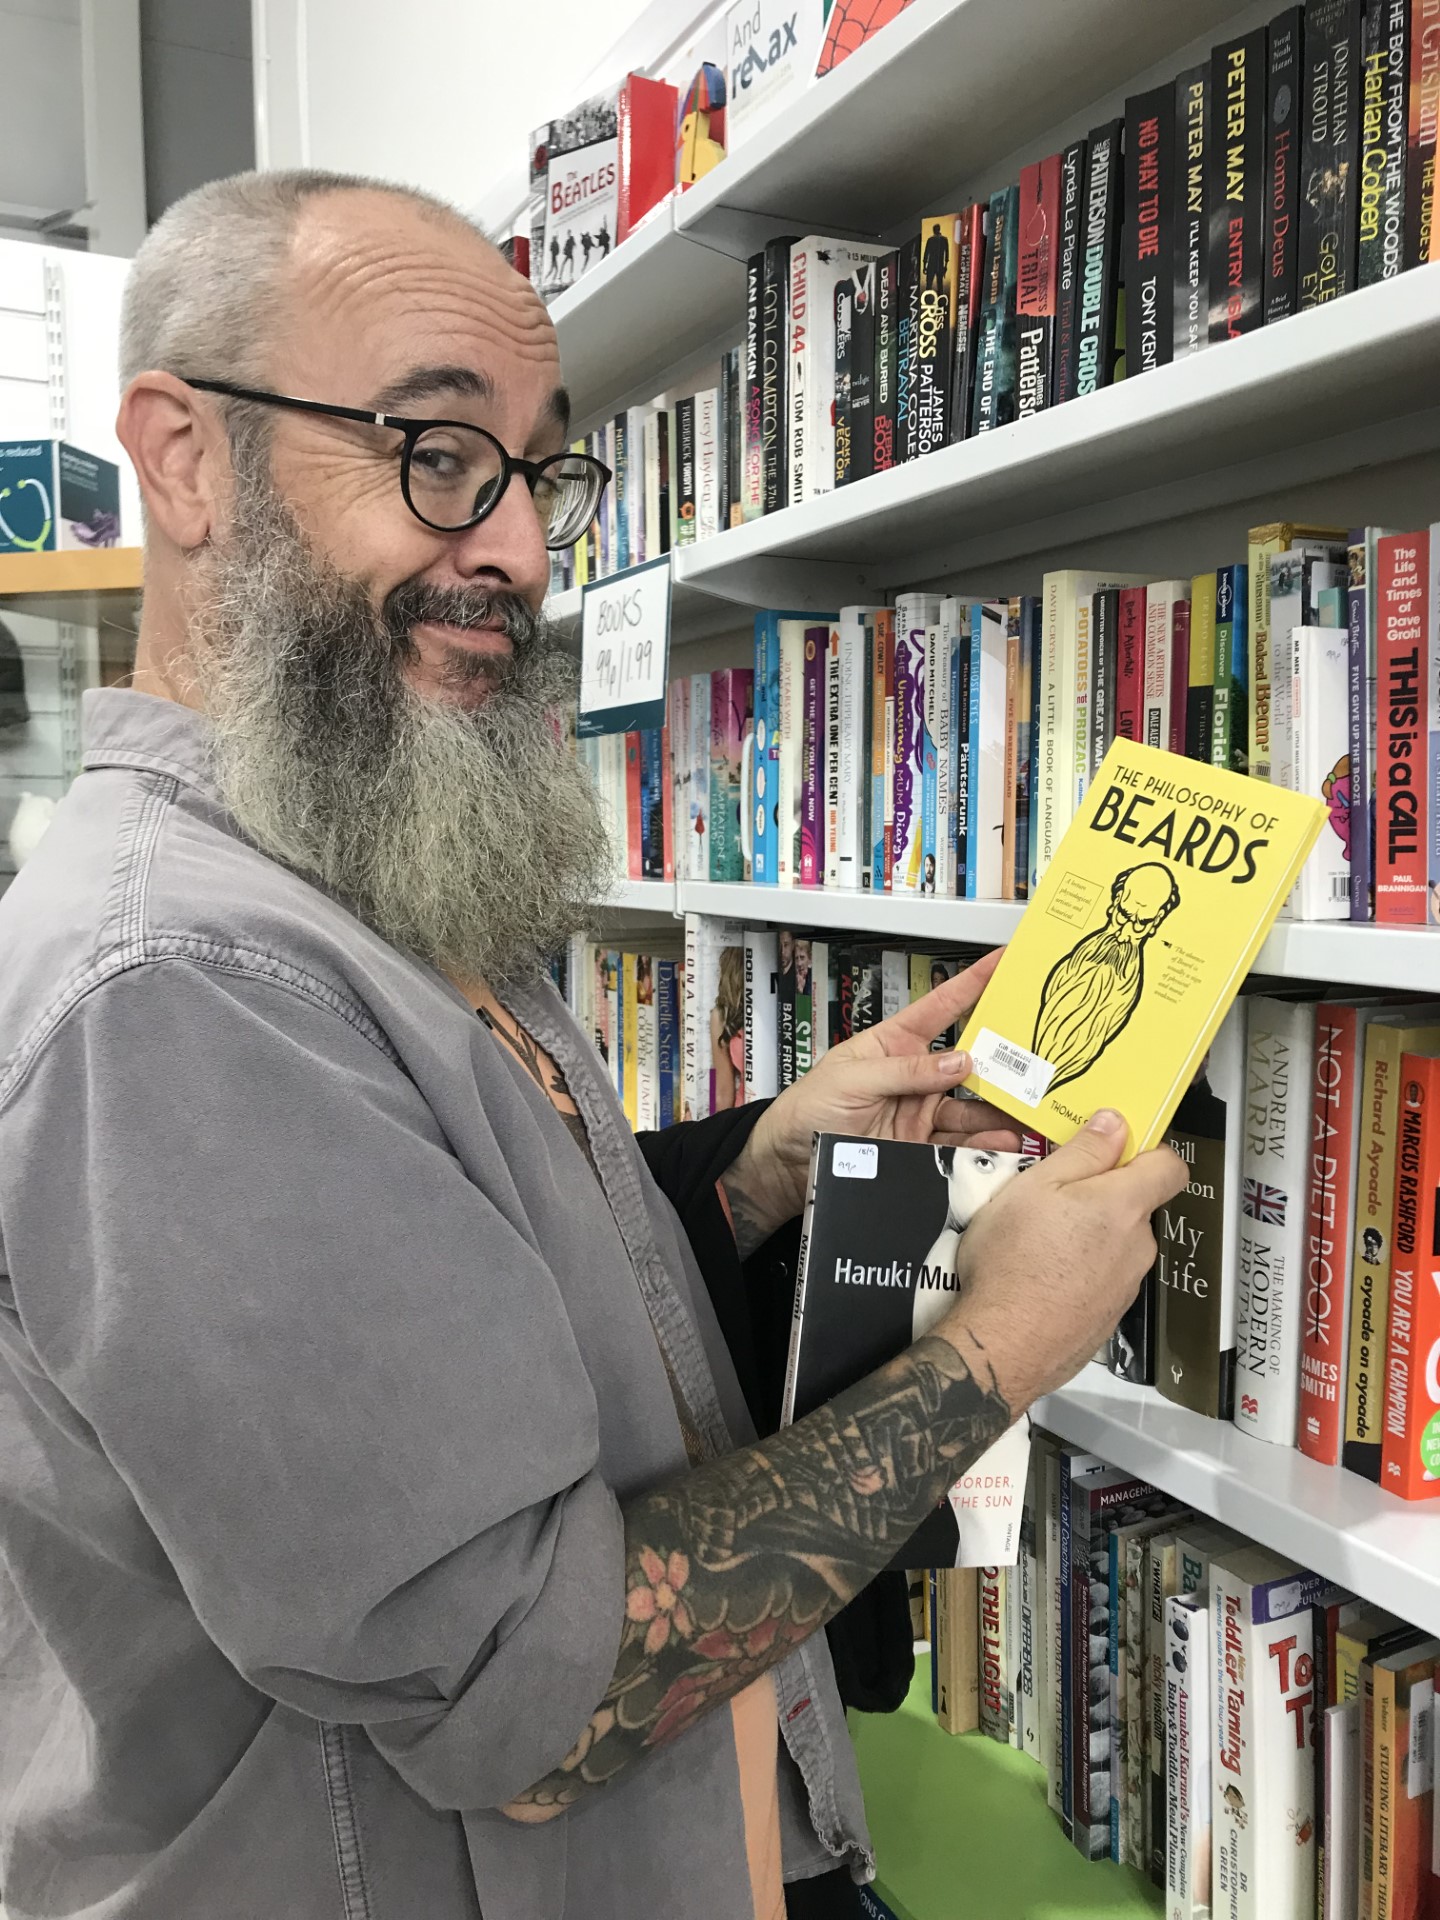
x=1202 y=630
x=582 y=545
x=630 y=1029
x=919 y=976
x=1264 y=541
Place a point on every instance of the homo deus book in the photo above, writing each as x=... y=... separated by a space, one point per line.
x=1135 y=942
x=879 y=1266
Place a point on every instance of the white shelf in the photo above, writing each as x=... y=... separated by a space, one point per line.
x=640 y=896
x=1334 y=1522
x=1321 y=393
x=930 y=101
x=896 y=916
x=694 y=614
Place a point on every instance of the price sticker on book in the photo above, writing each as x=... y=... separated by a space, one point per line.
x=624 y=650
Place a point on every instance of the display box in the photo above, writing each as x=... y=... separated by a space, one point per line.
x=56 y=498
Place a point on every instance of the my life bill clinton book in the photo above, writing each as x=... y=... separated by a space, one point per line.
x=1136 y=941
x=879 y=1257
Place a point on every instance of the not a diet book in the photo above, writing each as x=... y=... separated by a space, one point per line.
x=879 y=1260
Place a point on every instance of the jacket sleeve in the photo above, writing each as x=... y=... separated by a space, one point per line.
x=339 y=1382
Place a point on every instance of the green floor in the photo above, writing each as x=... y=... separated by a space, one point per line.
x=962 y=1831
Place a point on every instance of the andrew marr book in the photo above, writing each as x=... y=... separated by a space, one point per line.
x=879 y=1267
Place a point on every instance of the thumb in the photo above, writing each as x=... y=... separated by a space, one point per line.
x=1095 y=1149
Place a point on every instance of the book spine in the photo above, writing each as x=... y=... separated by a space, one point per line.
x=1195 y=1364
x=1282 y=165
x=785 y=1012
x=774 y=377
x=1319 y=701
x=1410 y=1444
x=992 y=402
x=812 y=759
x=1328 y=226
x=853 y=774
x=1158 y=660
x=1192 y=232
x=831 y=874
x=765 y=854
x=762 y=1048
x=862 y=373
x=909 y=726
x=1012 y=702
x=691 y=1022
x=1229 y=740
x=887 y=294
x=842 y=471
x=907 y=429
x=987 y=753
x=1130 y=665
x=686 y=505
x=887 y=640
x=1104 y=653
x=1400 y=826
x=969 y=291
x=1187 y=1759
x=930 y=766
x=1385 y=84
x=1200 y=698
x=1265 y=542
x=753 y=391
x=1065 y=1664
x=699 y=852
x=1150 y=186
x=1027 y=722
x=935 y=333
x=1279 y=1070
x=1421 y=127
x=707 y=465
x=667 y=1011
x=634 y=813
x=880 y=651
x=960 y=732
x=994 y=1708
x=667 y=806
x=1073 y=169
x=823 y=1142
x=1431 y=730
x=1179 y=674
x=1036 y=283
x=938 y=681
x=1236 y=191
x=622 y=491
x=1324 y=1302
x=1362 y=905
x=803 y=373
x=1099 y=260
x=730 y=714
x=1136 y=1599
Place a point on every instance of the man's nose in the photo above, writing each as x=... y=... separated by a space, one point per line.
x=509 y=543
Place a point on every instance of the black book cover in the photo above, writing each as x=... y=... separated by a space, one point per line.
x=753 y=354
x=844 y=298
x=685 y=468
x=935 y=333
x=1130 y=1350
x=907 y=420
x=729 y=434
x=865 y=1000
x=887 y=361
x=1385 y=84
x=1235 y=194
x=1329 y=178
x=969 y=292
x=1104 y=664
x=624 y=491
x=1199 y=720
x=879 y=1254
x=775 y=375
x=662 y=455
x=1284 y=93
x=1150 y=230
x=1100 y=259
x=785 y=1013
x=993 y=404
x=1192 y=229
x=1074 y=166
x=842 y=1004
x=862 y=373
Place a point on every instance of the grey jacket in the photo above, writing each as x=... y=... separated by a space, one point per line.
x=324 y=1368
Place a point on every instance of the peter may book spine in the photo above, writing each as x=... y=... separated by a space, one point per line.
x=1100 y=255
x=1150 y=230
x=1236 y=190
x=1073 y=167
x=1328 y=210
x=1192 y=229
x=1385 y=90
x=1282 y=165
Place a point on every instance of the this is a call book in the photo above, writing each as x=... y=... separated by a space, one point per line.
x=1135 y=942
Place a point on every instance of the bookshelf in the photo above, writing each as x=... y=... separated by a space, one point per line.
x=87 y=587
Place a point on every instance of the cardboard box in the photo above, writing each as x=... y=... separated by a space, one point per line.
x=56 y=498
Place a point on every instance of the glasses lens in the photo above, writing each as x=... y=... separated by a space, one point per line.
x=454 y=472
x=567 y=497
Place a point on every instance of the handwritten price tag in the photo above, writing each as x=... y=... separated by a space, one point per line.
x=624 y=650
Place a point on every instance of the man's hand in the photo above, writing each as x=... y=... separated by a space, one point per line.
x=885 y=1084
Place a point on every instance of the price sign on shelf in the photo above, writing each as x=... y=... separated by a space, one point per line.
x=624 y=649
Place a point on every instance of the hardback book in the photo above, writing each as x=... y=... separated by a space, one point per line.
x=1197 y=1233
x=1235 y=192
x=1160 y=602
x=1229 y=737
x=1340 y=1032
x=1421 y=126
x=1265 y=544
x=1074 y=165
x=993 y=402
x=887 y=321
x=1284 y=93
x=970 y=282
x=762 y=993
x=1099 y=269
x=1191 y=323
x=731 y=716
x=1410 y=1443
x=1328 y=200
x=775 y=375
x=645 y=158
x=956 y=1652
x=907 y=428
x=1150 y=201
x=862 y=372
x=1200 y=693
x=1385 y=91
x=1074 y=1018
x=1401 y=745
x=1279 y=1070
x=1187 y=1757
x=843 y=301
x=1263 y=1784
x=1320 y=699
x=578 y=158
x=817 y=266
x=935 y=329
x=878 y=1267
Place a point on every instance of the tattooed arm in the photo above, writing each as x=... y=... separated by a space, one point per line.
x=730 y=1567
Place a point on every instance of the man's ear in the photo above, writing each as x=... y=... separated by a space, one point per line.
x=180 y=454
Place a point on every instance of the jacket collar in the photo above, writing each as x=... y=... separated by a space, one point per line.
x=122 y=728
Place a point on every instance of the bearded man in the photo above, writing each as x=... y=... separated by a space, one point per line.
x=383 y=1531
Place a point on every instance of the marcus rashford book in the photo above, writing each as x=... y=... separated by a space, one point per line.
x=879 y=1266
x=1135 y=943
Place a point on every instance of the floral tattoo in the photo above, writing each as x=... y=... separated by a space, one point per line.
x=731 y=1567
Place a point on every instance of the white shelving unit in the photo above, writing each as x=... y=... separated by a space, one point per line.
x=1334 y=413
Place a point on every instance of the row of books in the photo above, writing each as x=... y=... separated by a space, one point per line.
x=1254 y=1738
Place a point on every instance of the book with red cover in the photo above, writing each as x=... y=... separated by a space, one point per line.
x=646 y=120
x=1403 y=563
x=1410 y=1444
x=634 y=836
x=1179 y=674
x=667 y=801
x=1035 y=297
x=1130 y=666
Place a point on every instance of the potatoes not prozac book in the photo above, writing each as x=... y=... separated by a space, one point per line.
x=1135 y=943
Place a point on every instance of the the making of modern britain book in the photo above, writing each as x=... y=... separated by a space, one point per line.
x=879 y=1266
x=1135 y=942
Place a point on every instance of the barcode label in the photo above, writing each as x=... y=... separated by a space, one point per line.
x=1420 y=1776
x=1339 y=886
x=1011 y=1067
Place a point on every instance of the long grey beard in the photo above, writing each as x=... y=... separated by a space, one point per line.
x=469 y=836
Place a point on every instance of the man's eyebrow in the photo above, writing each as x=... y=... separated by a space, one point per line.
x=426 y=383
x=558 y=407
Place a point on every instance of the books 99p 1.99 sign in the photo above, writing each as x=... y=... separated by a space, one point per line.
x=625 y=650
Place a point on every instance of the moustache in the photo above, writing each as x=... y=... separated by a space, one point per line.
x=414 y=604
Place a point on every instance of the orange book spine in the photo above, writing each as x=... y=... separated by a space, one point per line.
x=1410 y=1444
x=1325 y=1310
x=634 y=853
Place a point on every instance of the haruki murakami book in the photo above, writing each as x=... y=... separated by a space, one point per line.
x=1136 y=942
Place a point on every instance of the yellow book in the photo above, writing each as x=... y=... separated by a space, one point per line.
x=1200 y=674
x=629 y=1037
x=1135 y=942
x=1265 y=542
x=582 y=546
x=920 y=964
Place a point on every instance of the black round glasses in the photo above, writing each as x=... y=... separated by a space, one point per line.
x=453 y=474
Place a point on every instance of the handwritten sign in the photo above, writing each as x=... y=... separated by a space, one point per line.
x=624 y=650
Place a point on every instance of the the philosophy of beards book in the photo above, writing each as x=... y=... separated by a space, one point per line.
x=879 y=1266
